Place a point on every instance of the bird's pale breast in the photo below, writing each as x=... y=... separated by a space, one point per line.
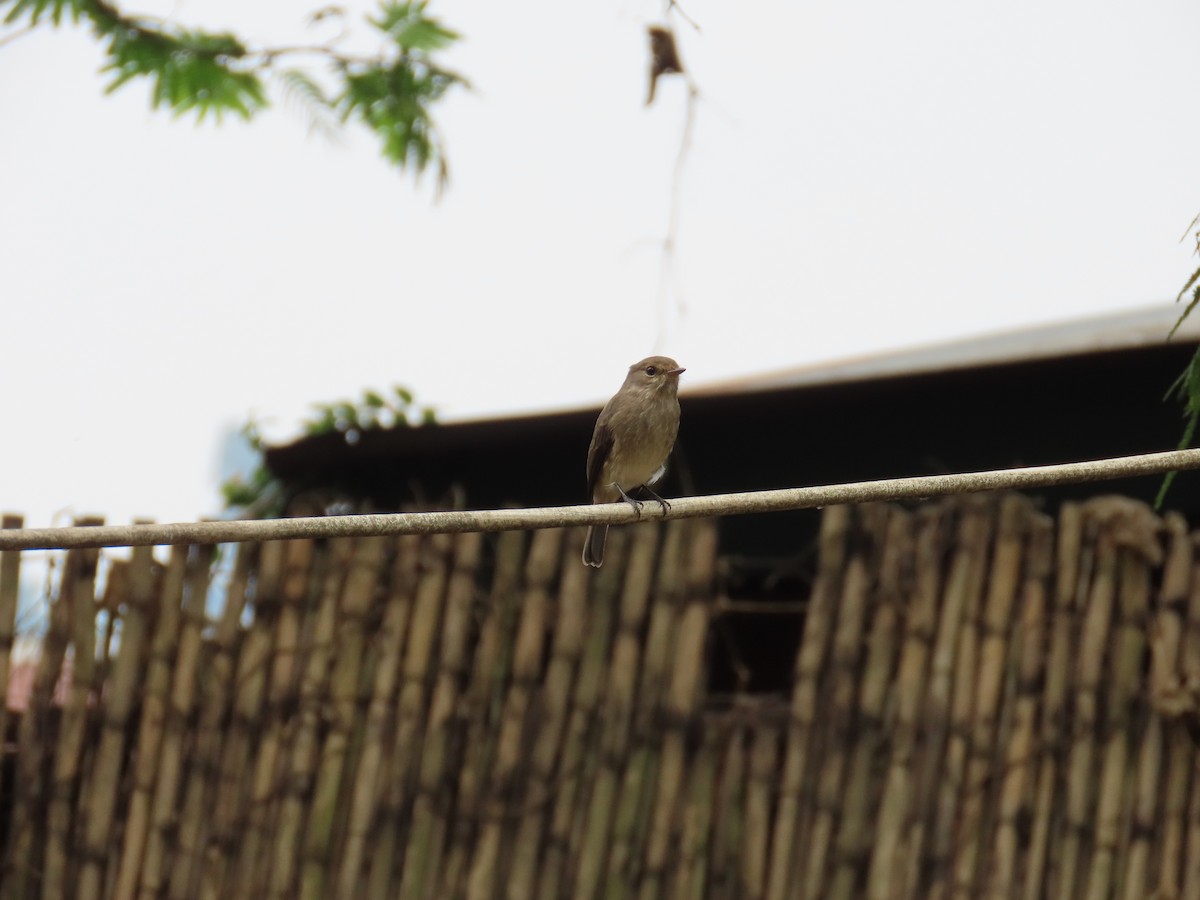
x=643 y=435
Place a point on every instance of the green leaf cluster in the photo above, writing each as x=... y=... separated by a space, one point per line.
x=1193 y=285
x=238 y=493
x=392 y=96
x=391 y=92
x=36 y=10
x=411 y=29
x=263 y=495
x=1186 y=388
x=302 y=88
x=396 y=409
x=1186 y=391
x=191 y=70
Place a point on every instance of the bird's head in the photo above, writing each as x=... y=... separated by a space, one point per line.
x=655 y=373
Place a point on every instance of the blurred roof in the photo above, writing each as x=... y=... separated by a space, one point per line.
x=1145 y=327
x=1076 y=390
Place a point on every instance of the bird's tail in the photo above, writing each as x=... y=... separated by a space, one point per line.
x=593 y=545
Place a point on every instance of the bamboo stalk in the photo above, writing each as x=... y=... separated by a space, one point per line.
x=885 y=873
x=99 y=814
x=839 y=702
x=1101 y=866
x=76 y=595
x=296 y=686
x=233 y=807
x=640 y=782
x=443 y=733
x=555 y=763
x=1190 y=677
x=177 y=810
x=517 y=772
x=1137 y=847
x=1081 y=771
x=257 y=765
x=163 y=777
x=485 y=700
x=1176 y=789
x=856 y=830
x=1137 y=853
x=1191 y=856
x=641 y=748
x=383 y=847
x=760 y=784
x=304 y=649
x=10 y=591
x=443 y=741
x=691 y=873
x=567 y=627
x=510 y=771
x=595 y=788
x=25 y=854
x=725 y=852
x=1167 y=643
x=163 y=644
x=1072 y=565
x=1136 y=531
x=364 y=789
x=1021 y=754
x=607 y=834
x=957 y=796
x=629 y=824
x=939 y=769
x=578 y=756
x=682 y=700
x=1169 y=619
x=417 y=675
x=1138 y=535
x=982 y=710
x=810 y=663
x=217 y=728
x=666 y=604
x=361 y=561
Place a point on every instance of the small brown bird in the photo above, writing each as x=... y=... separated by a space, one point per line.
x=633 y=438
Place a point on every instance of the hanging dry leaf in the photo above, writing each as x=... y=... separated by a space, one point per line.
x=664 y=57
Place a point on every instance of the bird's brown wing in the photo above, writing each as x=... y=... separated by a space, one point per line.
x=602 y=443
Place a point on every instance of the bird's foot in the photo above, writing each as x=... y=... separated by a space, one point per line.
x=664 y=504
x=636 y=504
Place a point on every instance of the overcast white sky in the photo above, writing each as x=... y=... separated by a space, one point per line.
x=862 y=177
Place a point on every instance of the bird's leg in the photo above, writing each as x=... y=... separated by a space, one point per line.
x=665 y=504
x=636 y=504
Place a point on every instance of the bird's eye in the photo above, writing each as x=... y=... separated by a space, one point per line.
x=651 y=371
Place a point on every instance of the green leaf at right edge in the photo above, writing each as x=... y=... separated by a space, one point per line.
x=1186 y=390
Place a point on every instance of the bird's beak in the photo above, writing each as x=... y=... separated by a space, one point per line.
x=676 y=372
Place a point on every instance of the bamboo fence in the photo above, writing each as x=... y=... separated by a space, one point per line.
x=985 y=702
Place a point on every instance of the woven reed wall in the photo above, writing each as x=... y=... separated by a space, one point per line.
x=986 y=703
